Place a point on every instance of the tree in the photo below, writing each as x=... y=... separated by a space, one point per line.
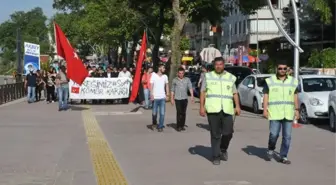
x=324 y=58
x=102 y=24
x=198 y=11
x=32 y=29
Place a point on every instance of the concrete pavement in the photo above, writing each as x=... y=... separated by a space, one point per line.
x=43 y=146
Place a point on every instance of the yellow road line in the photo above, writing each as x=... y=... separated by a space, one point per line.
x=105 y=165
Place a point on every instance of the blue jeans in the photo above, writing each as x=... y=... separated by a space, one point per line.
x=31 y=94
x=275 y=126
x=63 y=93
x=147 y=98
x=159 y=104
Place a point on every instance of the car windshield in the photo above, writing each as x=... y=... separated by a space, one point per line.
x=319 y=84
x=239 y=72
x=261 y=81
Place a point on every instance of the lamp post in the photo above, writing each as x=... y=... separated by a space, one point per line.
x=296 y=44
x=257 y=40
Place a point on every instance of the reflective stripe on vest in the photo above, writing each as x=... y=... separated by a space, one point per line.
x=219 y=93
x=281 y=98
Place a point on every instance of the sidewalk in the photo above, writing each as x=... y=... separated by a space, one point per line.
x=42 y=146
x=110 y=144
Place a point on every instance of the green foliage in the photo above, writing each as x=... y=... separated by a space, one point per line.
x=32 y=28
x=92 y=26
x=184 y=44
x=325 y=58
x=324 y=9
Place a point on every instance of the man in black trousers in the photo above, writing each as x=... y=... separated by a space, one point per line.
x=179 y=96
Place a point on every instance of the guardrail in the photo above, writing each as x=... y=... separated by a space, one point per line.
x=11 y=92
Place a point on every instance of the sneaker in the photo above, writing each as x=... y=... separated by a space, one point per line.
x=270 y=154
x=160 y=129
x=216 y=161
x=183 y=129
x=179 y=129
x=284 y=160
x=224 y=156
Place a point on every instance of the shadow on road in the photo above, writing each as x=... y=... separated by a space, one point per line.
x=203 y=151
x=256 y=151
x=172 y=125
x=136 y=109
x=321 y=124
x=203 y=126
x=78 y=108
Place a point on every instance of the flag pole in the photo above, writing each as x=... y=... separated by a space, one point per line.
x=55 y=41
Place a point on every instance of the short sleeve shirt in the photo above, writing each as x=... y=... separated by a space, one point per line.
x=158 y=84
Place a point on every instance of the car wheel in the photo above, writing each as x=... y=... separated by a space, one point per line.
x=304 y=115
x=332 y=120
x=255 y=106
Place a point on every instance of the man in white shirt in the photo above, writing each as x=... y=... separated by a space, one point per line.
x=125 y=74
x=159 y=95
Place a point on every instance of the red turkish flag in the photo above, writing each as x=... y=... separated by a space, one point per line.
x=137 y=76
x=75 y=90
x=76 y=70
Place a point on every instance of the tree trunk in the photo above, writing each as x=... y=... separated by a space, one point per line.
x=158 y=33
x=134 y=45
x=179 y=22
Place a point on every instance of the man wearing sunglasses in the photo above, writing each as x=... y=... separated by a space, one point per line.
x=281 y=108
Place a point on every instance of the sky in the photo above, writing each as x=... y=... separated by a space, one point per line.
x=8 y=7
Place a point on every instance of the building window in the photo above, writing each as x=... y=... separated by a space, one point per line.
x=263 y=26
x=275 y=4
x=236 y=29
x=244 y=26
x=240 y=27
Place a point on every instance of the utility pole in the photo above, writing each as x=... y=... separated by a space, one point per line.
x=257 y=41
x=18 y=51
x=202 y=30
x=230 y=40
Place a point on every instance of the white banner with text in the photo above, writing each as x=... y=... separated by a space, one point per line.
x=100 y=88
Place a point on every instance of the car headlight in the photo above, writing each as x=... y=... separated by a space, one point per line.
x=315 y=102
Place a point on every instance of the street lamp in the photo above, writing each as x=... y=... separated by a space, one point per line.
x=296 y=44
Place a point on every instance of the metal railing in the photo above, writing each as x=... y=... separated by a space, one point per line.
x=11 y=92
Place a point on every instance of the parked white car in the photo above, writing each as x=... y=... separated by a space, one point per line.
x=332 y=110
x=313 y=96
x=250 y=91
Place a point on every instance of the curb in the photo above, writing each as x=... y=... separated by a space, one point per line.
x=13 y=102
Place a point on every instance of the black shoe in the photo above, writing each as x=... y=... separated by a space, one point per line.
x=284 y=160
x=160 y=129
x=216 y=161
x=178 y=129
x=183 y=129
x=60 y=109
x=224 y=156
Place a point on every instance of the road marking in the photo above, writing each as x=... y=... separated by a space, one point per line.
x=116 y=113
x=227 y=183
x=105 y=165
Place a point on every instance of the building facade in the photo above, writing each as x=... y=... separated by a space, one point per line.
x=246 y=30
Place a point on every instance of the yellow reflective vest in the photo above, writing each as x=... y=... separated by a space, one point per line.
x=281 y=98
x=219 y=94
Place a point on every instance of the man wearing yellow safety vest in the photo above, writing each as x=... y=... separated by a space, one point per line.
x=281 y=108
x=218 y=96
